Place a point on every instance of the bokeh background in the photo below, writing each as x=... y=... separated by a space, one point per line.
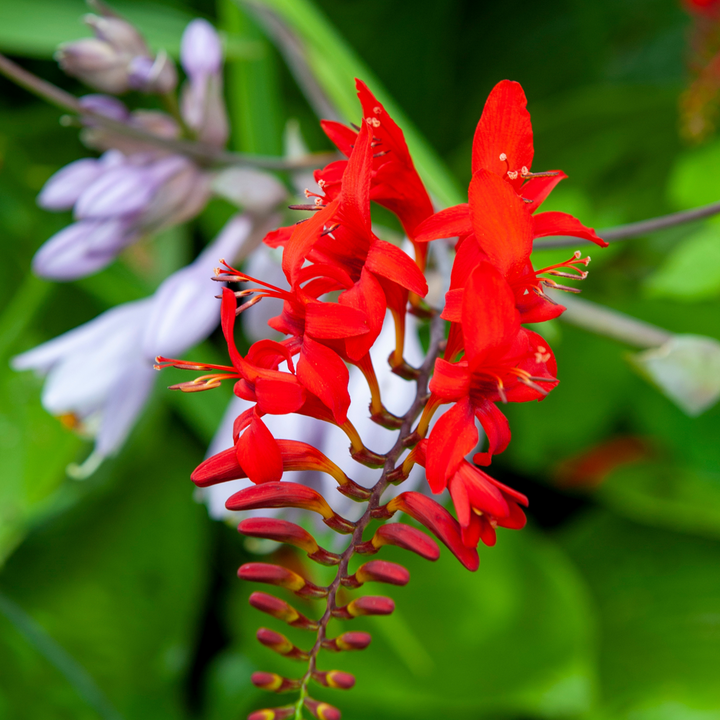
x=118 y=595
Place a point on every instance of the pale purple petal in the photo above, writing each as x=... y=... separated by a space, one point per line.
x=117 y=192
x=150 y=75
x=200 y=49
x=81 y=249
x=251 y=189
x=123 y=405
x=63 y=189
x=185 y=307
x=105 y=105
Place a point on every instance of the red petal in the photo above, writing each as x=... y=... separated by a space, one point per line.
x=483 y=495
x=354 y=210
x=471 y=532
x=325 y=321
x=279 y=394
x=439 y=521
x=324 y=374
x=453 y=437
x=497 y=430
x=227 y=321
x=461 y=501
x=560 y=223
x=449 y=223
x=534 y=308
x=392 y=263
x=279 y=237
x=450 y=381
x=218 y=468
x=502 y=225
x=258 y=453
x=537 y=189
x=368 y=297
x=487 y=531
x=516 y=520
x=452 y=310
x=504 y=127
x=489 y=318
x=467 y=257
x=341 y=136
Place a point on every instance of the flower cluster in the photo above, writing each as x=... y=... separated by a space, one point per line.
x=341 y=281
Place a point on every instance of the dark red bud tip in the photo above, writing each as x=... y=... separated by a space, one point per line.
x=272 y=682
x=348 y=641
x=334 y=679
x=378 y=571
x=218 y=468
x=280 y=531
x=321 y=710
x=281 y=610
x=367 y=605
x=408 y=538
x=439 y=521
x=281 y=713
x=282 y=577
x=280 y=644
x=279 y=495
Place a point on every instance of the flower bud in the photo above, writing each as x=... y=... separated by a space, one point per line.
x=378 y=571
x=200 y=49
x=280 y=644
x=63 y=189
x=281 y=610
x=118 y=33
x=439 y=521
x=272 y=682
x=334 y=679
x=321 y=710
x=408 y=538
x=287 y=532
x=218 y=468
x=348 y=641
x=281 y=713
x=366 y=605
x=105 y=105
x=282 y=577
x=96 y=63
x=287 y=494
x=157 y=76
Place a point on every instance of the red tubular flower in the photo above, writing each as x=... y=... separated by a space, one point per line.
x=396 y=184
x=502 y=362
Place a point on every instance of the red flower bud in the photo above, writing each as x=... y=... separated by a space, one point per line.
x=366 y=605
x=281 y=610
x=272 y=682
x=281 y=713
x=287 y=532
x=287 y=494
x=321 y=710
x=334 y=679
x=218 y=468
x=378 y=571
x=282 y=577
x=280 y=644
x=348 y=641
x=404 y=536
x=439 y=521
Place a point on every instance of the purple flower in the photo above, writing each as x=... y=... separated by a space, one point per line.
x=200 y=49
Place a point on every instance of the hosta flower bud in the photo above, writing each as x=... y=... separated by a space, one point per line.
x=118 y=33
x=105 y=105
x=348 y=641
x=272 y=682
x=287 y=494
x=200 y=49
x=96 y=63
x=281 y=610
x=321 y=710
x=280 y=644
x=64 y=188
x=287 y=532
x=334 y=679
x=282 y=577
x=157 y=76
x=378 y=571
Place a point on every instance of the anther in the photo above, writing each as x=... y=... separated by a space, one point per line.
x=524 y=171
x=542 y=356
x=377 y=110
x=373 y=121
x=512 y=174
x=503 y=157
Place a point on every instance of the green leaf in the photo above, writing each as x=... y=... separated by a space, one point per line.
x=512 y=639
x=657 y=595
x=335 y=66
x=691 y=271
x=686 y=369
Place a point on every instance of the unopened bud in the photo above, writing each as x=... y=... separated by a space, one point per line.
x=439 y=521
x=287 y=494
x=281 y=713
x=272 y=682
x=290 y=533
x=321 y=710
x=157 y=76
x=378 y=571
x=348 y=641
x=281 y=610
x=218 y=468
x=334 y=679
x=280 y=644
x=408 y=538
x=282 y=577
x=366 y=605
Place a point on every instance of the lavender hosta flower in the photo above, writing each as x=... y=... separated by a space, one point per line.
x=117 y=59
x=254 y=190
x=100 y=374
x=202 y=104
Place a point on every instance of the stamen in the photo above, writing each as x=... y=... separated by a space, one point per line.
x=542 y=355
x=373 y=121
x=524 y=171
x=512 y=174
x=503 y=157
x=380 y=154
x=305 y=207
x=331 y=229
x=377 y=110
x=557 y=286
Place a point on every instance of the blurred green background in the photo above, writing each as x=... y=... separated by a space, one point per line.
x=118 y=596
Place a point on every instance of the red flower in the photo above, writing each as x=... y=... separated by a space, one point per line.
x=395 y=184
x=502 y=362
